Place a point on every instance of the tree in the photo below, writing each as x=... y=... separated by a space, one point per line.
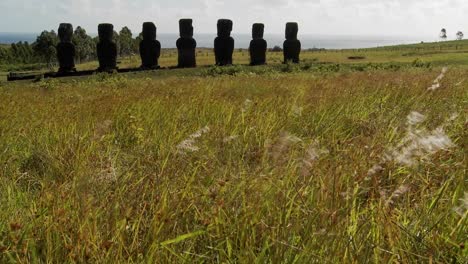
x=28 y=51
x=116 y=40
x=44 y=47
x=443 y=34
x=126 y=42
x=4 y=55
x=84 y=45
x=460 y=35
x=22 y=52
x=136 y=43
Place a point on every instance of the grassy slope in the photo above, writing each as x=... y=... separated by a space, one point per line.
x=438 y=53
x=451 y=52
x=91 y=171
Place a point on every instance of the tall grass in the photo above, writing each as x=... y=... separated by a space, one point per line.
x=252 y=169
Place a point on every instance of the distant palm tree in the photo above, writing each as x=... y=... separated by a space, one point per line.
x=460 y=35
x=443 y=34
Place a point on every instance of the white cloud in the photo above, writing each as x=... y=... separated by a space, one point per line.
x=382 y=17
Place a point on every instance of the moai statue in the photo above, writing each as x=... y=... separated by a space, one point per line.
x=106 y=48
x=291 y=46
x=186 y=45
x=258 y=46
x=150 y=48
x=224 y=43
x=66 y=49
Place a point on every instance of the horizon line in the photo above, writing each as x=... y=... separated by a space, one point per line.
x=246 y=33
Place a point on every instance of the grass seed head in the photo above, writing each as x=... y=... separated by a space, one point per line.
x=189 y=144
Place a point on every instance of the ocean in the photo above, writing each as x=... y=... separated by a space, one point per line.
x=243 y=40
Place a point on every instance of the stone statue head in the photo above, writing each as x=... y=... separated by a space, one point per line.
x=291 y=30
x=105 y=32
x=65 y=32
x=149 y=31
x=224 y=27
x=186 y=28
x=258 y=30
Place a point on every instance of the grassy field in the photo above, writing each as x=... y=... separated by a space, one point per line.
x=437 y=54
x=331 y=161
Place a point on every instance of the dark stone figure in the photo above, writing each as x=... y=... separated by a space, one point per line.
x=106 y=48
x=291 y=46
x=150 y=48
x=66 y=49
x=186 y=45
x=224 y=43
x=258 y=46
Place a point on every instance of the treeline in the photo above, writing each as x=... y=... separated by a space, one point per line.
x=43 y=50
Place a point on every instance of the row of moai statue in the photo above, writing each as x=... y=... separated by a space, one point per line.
x=150 y=48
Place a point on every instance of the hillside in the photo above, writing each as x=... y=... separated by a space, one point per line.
x=353 y=156
x=435 y=54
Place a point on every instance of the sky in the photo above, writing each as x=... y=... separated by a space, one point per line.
x=321 y=17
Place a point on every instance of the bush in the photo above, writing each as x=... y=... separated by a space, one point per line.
x=417 y=63
x=276 y=49
x=225 y=70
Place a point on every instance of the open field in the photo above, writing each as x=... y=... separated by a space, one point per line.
x=331 y=161
x=437 y=54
